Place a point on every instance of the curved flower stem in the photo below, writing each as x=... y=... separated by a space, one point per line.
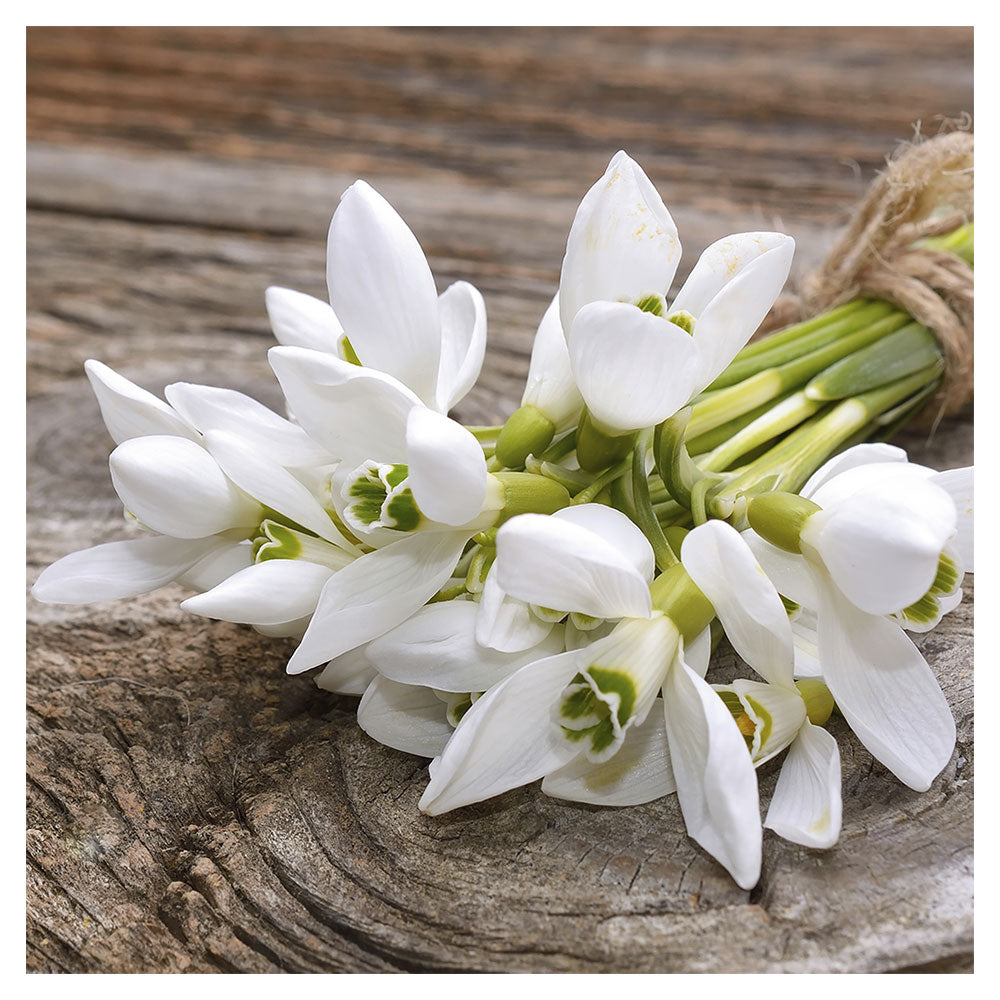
x=605 y=479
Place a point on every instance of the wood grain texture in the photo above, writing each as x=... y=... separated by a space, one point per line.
x=190 y=807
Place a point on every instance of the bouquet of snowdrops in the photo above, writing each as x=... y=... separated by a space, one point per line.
x=539 y=600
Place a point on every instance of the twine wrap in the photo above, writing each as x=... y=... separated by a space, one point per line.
x=925 y=190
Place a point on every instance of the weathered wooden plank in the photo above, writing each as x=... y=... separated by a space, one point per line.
x=191 y=808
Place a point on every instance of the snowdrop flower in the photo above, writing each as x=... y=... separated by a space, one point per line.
x=385 y=313
x=551 y=402
x=879 y=544
x=806 y=806
x=206 y=474
x=411 y=484
x=636 y=359
x=431 y=669
x=582 y=719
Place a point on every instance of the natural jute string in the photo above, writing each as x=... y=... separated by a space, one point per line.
x=926 y=189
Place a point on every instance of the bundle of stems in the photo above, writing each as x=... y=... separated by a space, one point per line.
x=786 y=404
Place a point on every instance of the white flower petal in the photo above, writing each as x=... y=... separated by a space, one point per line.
x=130 y=411
x=885 y=691
x=175 y=487
x=698 y=652
x=554 y=563
x=634 y=369
x=882 y=544
x=447 y=468
x=300 y=320
x=212 y=409
x=550 y=386
x=120 y=569
x=806 y=644
x=639 y=772
x=506 y=739
x=377 y=592
x=745 y=600
x=463 y=342
x=806 y=806
x=286 y=630
x=218 y=565
x=382 y=290
x=787 y=571
x=861 y=454
x=716 y=781
x=273 y=486
x=729 y=320
x=615 y=528
x=505 y=623
x=411 y=719
x=272 y=592
x=437 y=647
x=355 y=413
x=721 y=262
x=622 y=245
x=350 y=673
x=835 y=490
x=958 y=484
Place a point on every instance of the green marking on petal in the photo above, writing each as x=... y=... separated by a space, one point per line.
x=276 y=542
x=683 y=319
x=459 y=704
x=596 y=707
x=381 y=499
x=602 y=736
x=402 y=510
x=652 y=304
x=615 y=683
x=394 y=475
x=746 y=725
x=927 y=610
x=790 y=606
x=947 y=576
x=348 y=352
x=579 y=703
x=766 y=721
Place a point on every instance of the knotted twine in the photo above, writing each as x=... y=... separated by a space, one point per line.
x=925 y=190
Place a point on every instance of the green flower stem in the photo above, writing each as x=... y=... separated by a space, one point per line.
x=900 y=354
x=573 y=479
x=791 y=462
x=795 y=341
x=594 y=490
x=630 y=494
x=738 y=399
x=557 y=451
x=783 y=416
x=710 y=440
x=484 y=433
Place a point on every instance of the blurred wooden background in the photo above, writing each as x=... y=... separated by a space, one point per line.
x=189 y=806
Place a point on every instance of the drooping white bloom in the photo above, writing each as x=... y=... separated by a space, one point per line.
x=635 y=359
x=883 y=551
x=806 y=805
x=205 y=473
x=411 y=483
x=581 y=719
x=550 y=386
x=435 y=652
x=385 y=312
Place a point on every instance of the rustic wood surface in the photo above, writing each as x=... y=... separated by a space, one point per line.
x=190 y=807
